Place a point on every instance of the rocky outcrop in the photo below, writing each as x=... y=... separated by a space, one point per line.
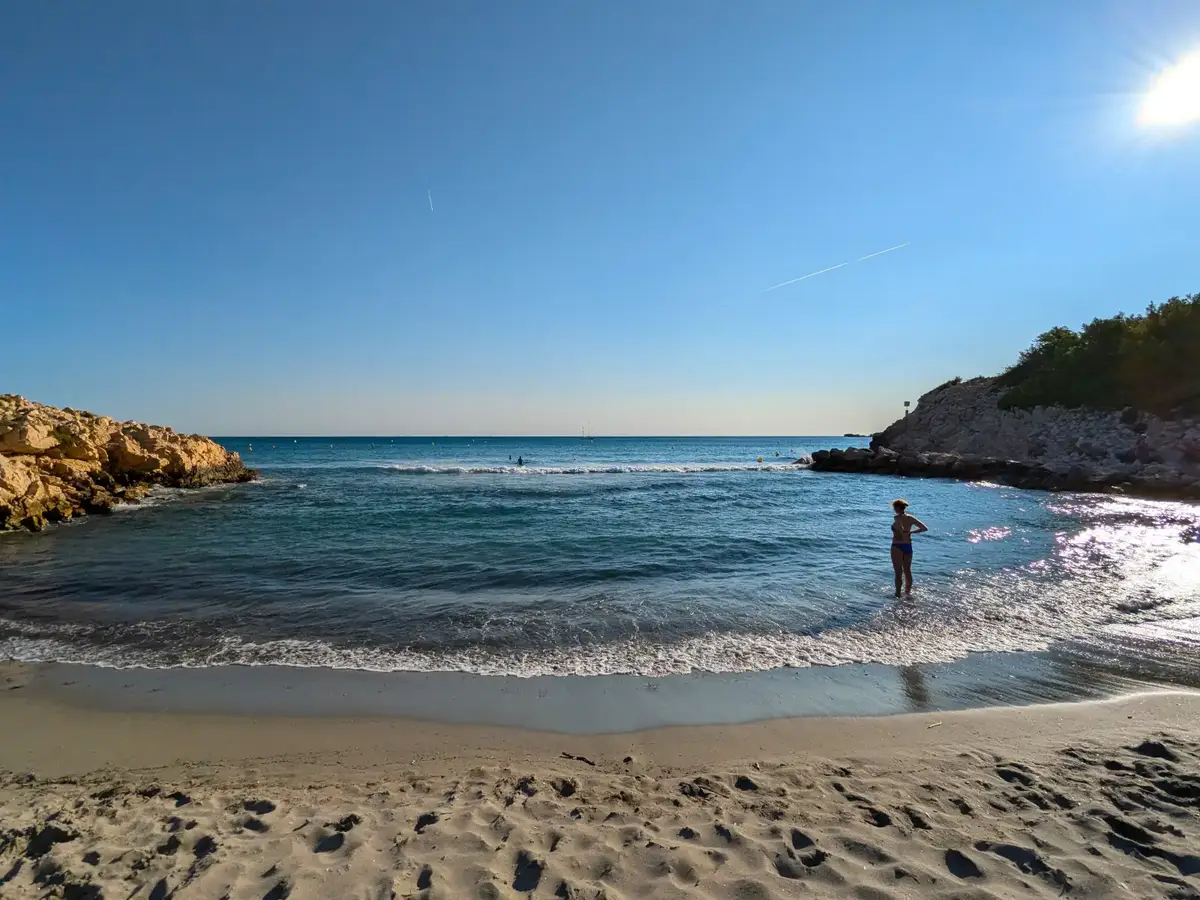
x=959 y=430
x=966 y=418
x=60 y=463
x=1032 y=476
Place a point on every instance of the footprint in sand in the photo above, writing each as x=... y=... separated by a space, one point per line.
x=527 y=874
x=800 y=840
x=565 y=787
x=1029 y=862
x=789 y=868
x=917 y=818
x=877 y=817
x=868 y=853
x=345 y=823
x=43 y=841
x=724 y=832
x=329 y=843
x=425 y=879
x=814 y=859
x=1156 y=750
x=961 y=865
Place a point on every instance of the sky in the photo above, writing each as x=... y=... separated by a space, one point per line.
x=533 y=217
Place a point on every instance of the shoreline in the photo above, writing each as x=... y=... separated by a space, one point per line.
x=59 y=738
x=1029 y=476
x=62 y=464
x=608 y=704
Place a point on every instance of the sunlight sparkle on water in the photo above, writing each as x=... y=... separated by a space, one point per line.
x=1174 y=98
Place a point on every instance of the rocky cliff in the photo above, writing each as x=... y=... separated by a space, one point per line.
x=60 y=463
x=964 y=418
x=959 y=430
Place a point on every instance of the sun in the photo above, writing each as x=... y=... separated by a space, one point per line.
x=1175 y=97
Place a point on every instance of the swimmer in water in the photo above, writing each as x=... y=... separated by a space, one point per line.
x=520 y=461
x=904 y=527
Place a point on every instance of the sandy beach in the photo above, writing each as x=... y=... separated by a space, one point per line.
x=600 y=451
x=1094 y=799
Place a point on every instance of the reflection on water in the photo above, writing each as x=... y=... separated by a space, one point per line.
x=915 y=688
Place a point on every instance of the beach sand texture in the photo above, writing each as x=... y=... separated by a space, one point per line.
x=1087 y=800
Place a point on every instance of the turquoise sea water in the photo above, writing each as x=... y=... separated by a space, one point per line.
x=607 y=556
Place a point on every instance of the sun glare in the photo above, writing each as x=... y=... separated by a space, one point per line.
x=1175 y=97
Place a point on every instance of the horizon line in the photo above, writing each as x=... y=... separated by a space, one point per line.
x=573 y=437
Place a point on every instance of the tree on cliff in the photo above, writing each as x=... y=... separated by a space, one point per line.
x=1150 y=362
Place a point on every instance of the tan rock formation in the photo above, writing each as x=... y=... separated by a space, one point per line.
x=965 y=418
x=59 y=463
x=961 y=430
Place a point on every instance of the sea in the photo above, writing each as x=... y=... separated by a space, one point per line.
x=607 y=556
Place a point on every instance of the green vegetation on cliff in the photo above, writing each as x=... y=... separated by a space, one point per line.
x=1150 y=362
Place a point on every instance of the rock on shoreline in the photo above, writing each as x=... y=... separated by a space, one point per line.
x=1031 y=476
x=59 y=463
x=960 y=430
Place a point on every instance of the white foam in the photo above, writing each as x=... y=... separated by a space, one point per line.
x=596 y=469
x=156 y=497
x=885 y=640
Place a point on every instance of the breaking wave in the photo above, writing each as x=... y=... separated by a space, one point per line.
x=602 y=469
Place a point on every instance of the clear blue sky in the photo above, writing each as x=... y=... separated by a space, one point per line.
x=215 y=215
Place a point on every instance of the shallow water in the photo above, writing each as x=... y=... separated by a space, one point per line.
x=610 y=556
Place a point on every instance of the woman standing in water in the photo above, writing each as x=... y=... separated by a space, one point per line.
x=902 y=531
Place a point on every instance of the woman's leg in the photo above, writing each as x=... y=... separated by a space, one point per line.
x=898 y=565
x=907 y=572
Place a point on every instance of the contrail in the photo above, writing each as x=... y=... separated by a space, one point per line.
x=888 y=250
x=809 y=275
x=430 y=193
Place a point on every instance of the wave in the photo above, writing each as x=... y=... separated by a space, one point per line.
x=597 y=469
x=895 y=640
x=715 y=652
x=157 y=497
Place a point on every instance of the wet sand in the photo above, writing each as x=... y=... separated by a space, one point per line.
x=1096 y=799
x=615 y=703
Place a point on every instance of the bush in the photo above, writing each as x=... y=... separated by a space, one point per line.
x=1150 y=362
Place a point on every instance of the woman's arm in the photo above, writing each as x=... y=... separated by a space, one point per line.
x=921 y=529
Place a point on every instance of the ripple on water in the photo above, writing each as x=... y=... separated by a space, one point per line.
x=629 y=557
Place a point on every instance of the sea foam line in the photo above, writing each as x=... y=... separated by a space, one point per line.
x=595 y=469
x=883 y=642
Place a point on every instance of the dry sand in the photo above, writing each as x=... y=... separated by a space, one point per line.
x=1092 y=800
